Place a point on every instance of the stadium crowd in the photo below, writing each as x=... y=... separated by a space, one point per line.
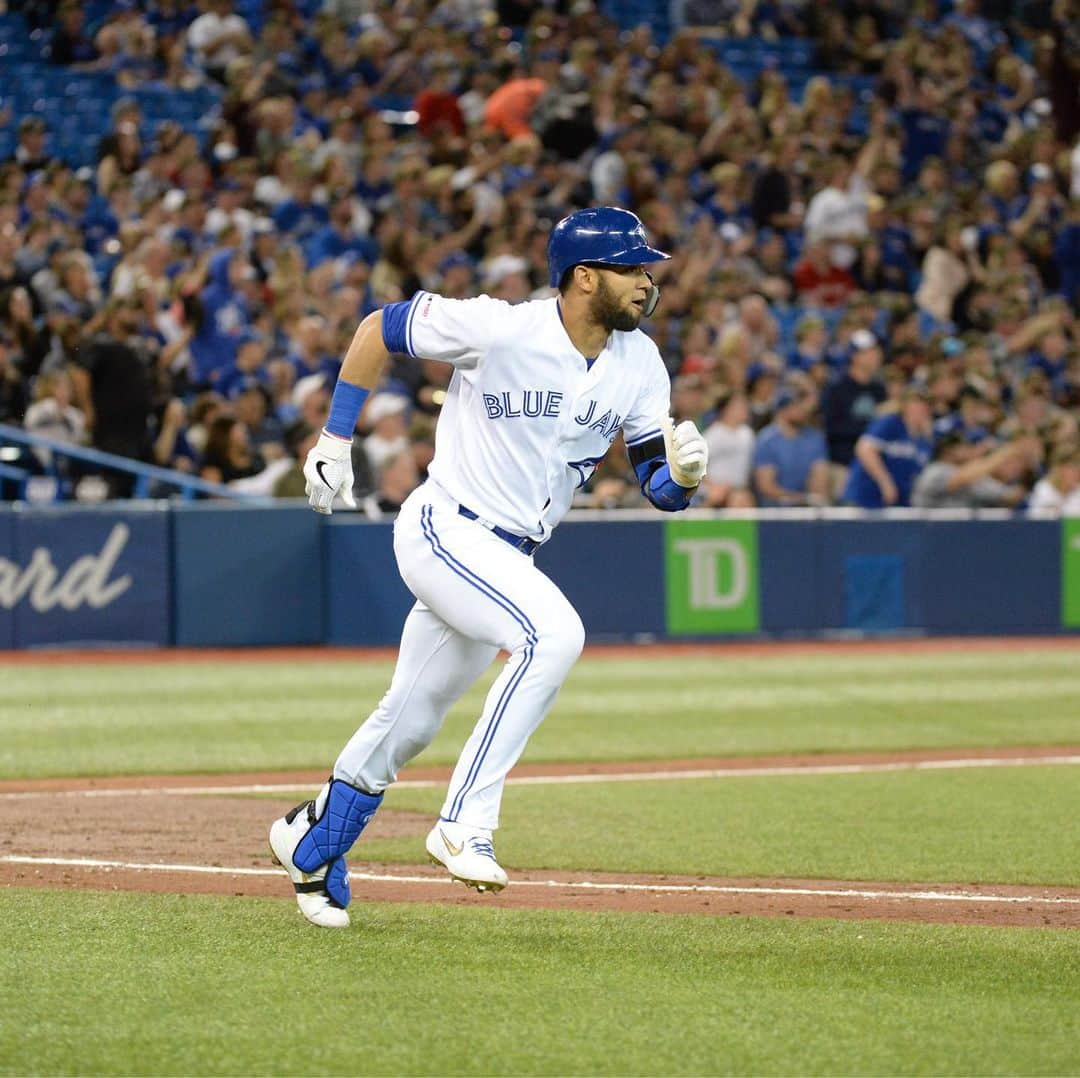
x=872 y=298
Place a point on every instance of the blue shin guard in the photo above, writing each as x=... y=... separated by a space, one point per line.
x=345 y=813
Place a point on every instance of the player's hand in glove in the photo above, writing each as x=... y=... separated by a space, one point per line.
x=328 y=473
x=687 y=453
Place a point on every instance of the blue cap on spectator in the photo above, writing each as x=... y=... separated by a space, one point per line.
x=784 y=397
x=953 y=346
x=757 y=371
x=248 y=384
x=348 y=259
x=455 y=258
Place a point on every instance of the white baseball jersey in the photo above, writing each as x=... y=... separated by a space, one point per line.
x=525 y=422
x=527 y=418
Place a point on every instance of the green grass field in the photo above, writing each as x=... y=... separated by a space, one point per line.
x=107 y=984
x=118 y=983
x=239 y=716
x=1006 y=825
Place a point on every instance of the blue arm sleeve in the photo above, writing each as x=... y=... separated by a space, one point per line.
x=395 y=325
x=665 y=493
x=654 y=475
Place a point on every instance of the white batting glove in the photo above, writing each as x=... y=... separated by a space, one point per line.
x=687 y=453
x=328 y=473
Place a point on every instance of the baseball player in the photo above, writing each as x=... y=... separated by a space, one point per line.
x=539 y=391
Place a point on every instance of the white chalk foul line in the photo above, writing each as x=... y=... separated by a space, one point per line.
x=951 y=764
x=564 y=885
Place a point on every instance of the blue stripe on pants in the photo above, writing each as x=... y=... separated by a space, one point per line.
x=493 y=593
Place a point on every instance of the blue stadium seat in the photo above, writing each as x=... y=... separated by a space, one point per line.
x=77 y=105
x=631 y=13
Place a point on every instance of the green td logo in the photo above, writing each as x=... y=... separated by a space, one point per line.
x=1070 y=573
x=711 y=575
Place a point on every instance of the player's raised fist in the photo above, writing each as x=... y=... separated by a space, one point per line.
x=687 y=453
x=328 y=473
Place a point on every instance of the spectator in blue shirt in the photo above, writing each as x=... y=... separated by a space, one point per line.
x=850 y=402
x=300 y=215
x=811 y=341
x=339 y=238
x=225 y=315
x=891 y=454
x=982 y=35
x=308 y=348
x=1067 y=255
x=790 y=465
x=926 y=129
x=1052 y=358
x=971 y=420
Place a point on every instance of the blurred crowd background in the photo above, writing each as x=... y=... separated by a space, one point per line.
x=873 y=210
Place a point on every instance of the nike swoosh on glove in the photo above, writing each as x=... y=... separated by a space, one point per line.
x=328 y=473
x=687 y=453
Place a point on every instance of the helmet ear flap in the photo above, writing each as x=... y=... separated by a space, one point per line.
x=652 y=298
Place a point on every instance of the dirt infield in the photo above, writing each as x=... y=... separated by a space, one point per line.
x=189 y=835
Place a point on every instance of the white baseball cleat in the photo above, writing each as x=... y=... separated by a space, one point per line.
x=467 y=854
x=315 y=904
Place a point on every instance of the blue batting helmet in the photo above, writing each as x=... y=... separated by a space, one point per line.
x=603 y=234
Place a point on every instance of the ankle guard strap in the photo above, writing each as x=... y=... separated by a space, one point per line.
x=345 y=813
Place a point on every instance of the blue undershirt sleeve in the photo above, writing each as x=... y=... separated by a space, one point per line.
x=395 y=325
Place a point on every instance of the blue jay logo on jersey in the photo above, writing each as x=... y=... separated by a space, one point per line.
x=530 y=403
x=607 y=425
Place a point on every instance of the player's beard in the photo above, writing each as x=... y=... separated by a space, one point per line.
x=606 y=311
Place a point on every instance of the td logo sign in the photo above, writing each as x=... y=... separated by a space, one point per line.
x=711 y=574
x=1070 y=573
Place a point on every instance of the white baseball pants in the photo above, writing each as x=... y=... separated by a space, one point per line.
x=475 y=595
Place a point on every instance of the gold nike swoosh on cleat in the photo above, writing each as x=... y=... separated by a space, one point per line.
x=449 y=845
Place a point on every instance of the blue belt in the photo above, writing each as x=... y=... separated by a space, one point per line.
x=518 y=542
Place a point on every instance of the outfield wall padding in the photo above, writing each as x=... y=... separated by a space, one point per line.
x=215 y=575
x=247 y=576
x=69 y=575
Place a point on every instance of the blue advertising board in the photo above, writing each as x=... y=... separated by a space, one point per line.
x=213 y=575
x=76 y=575
x=247 y=576
x=995 y=576
x=612 y=571
x=10 y=579
x=366 y=601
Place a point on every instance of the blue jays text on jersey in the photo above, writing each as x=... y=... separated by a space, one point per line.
x=526 y=416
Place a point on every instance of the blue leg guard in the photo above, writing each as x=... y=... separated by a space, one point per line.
x=345 y=814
